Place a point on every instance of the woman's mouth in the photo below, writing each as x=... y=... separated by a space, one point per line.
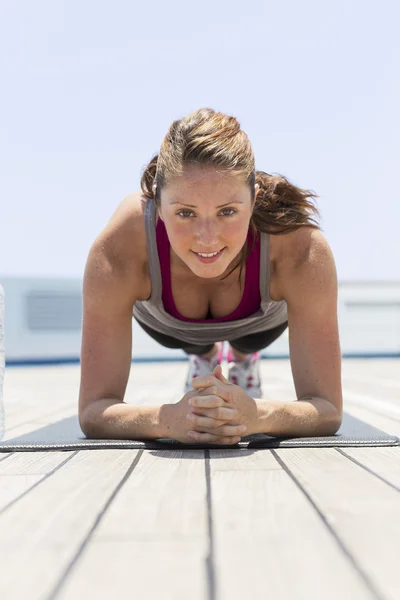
x=208 y=257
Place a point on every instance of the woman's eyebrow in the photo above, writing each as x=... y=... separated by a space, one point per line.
x=194 y=206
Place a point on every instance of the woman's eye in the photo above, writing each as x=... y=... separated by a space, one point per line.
x=231 y=212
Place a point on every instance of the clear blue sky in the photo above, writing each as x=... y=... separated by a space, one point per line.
x=89 y=89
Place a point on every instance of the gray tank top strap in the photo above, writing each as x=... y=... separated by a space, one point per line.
x=150 y=218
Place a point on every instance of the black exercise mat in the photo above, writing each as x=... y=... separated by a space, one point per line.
x=67 y=435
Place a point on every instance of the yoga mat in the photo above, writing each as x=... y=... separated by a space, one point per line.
x=67 y=435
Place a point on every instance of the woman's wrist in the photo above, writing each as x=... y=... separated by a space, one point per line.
x=165 y=416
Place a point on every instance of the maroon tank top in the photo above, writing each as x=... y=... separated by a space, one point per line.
x=251 y=299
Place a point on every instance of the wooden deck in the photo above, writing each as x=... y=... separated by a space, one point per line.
x=289 y=523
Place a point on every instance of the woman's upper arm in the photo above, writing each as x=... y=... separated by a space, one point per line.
x=310 y=287
x=109 y=294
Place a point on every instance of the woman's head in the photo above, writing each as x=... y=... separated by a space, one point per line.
x=206 y=160
x=205 y=212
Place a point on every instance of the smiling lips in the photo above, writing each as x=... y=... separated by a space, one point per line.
x=207 y=254
x=208 y=257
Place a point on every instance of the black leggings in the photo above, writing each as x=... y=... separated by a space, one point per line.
x=246 y=344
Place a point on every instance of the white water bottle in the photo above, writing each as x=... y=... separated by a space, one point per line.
x=2 y=362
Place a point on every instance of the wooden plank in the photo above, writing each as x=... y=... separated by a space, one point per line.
x=34 y=393
x=381 y=399
x=50 y=393
x=154 y=538
x=269 y=539
x=43 y=530
x=22 y=470
x=162 y=502
x=165 y=497
x=62 y=381
x=383 y=462
x=377 y=395
x=383 y=422
x=361 y=509
x=146 y=569
x=17 y=427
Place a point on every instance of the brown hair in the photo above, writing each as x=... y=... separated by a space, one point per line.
x=212 y=139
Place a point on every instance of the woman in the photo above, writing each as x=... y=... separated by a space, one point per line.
x=211 y=250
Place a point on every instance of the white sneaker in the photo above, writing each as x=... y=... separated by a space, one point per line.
x=245 y=373
x=199 y=366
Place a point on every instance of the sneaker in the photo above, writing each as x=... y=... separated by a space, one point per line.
x=199 y=366
x=245 y=373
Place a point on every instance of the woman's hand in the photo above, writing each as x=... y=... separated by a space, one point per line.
x=216 y=428
x=217 y=400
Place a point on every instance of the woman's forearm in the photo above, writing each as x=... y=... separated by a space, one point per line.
x=109 y=418
x=302 y=418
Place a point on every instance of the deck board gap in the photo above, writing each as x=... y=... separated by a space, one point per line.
x=85 y=542
x=370 y=471
x=357 y=567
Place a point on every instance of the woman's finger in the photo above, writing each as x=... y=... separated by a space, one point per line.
x=208 y=437
x=200 y=421
x=212 y=385
x=207 y=401
x=221 y=413
x=202 y=425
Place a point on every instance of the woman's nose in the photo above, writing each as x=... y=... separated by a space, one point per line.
x=207 y=234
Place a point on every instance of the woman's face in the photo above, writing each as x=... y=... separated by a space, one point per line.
x=204 y=212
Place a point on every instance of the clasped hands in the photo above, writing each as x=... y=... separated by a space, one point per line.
x=220 y=411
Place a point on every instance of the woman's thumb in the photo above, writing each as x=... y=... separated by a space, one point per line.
x=218 y=373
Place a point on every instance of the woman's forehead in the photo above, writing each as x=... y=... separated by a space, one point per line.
x=211 y=184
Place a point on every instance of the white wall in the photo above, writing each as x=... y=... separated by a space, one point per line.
x=43 y=320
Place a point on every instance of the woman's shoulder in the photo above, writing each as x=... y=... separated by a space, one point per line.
x=124 y=240
x=289 y=250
